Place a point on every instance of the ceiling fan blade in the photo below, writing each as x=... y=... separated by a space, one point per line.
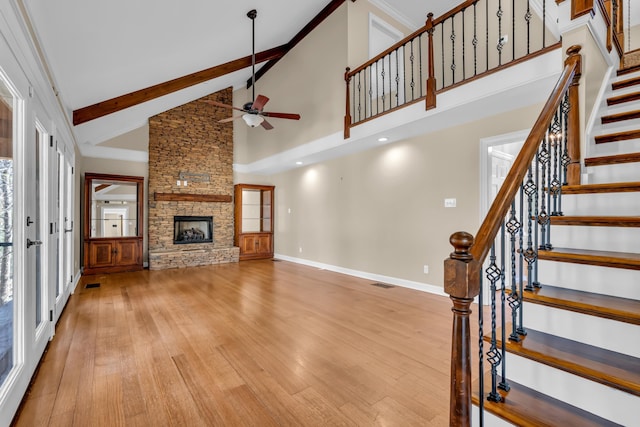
x=259 y=103
x=220 y=104
x=228 y=119
x=290 y=116
x=265 y=124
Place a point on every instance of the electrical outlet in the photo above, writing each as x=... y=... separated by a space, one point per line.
x=300 y=249
x=449 y=203
x=426 y=269
x=178 y=183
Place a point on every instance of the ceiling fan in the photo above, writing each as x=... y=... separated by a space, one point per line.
x=254 y=115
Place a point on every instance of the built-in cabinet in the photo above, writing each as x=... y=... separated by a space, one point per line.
x=254 y=220
x=112 y=223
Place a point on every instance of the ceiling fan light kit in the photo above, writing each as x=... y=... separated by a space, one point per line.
x=253 y=114
x=253 y=120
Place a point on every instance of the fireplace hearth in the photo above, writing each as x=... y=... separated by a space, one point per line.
x=192 y=229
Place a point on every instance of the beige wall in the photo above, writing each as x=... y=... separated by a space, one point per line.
x=381 y=211
x=594 y=70
x=115 y=167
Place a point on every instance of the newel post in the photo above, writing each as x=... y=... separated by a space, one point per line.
x=573 y=131
x=462 y=283
x=431 y=80
x=347 y=116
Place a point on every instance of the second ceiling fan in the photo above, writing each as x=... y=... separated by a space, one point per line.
x=254 y=115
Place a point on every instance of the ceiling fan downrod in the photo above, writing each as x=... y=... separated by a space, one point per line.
x=252 y=14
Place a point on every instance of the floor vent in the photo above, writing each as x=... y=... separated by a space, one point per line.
x=276 y=260
x=92 y=285
x=382 y=285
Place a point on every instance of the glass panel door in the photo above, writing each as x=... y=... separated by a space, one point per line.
x=7 y=108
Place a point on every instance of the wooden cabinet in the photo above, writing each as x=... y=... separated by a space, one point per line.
x=112 y=223
x=254 y=220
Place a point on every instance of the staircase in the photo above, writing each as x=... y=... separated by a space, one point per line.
x=579 y=364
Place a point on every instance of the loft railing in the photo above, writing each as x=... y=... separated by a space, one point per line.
x=473 y=39
x=515 y=228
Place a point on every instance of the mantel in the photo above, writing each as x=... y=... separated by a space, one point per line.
x=190 y=197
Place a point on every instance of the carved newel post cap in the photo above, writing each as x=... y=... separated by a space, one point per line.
x=574 y=50
x=461 y=241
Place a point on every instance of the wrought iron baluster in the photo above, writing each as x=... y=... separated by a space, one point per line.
x=463 y=50
x=377 y=91
x=481 y=350
x=404 y=72
x=503 y=385
x=513 y=29
x=521 y=330
x=530 y=255
x=397 y=78
x=566 y=106
x=413 y=82
x=453 y=50
x=486 y=48
x=420 y=63
x=371 y=89
x=500 y=43
x=494 y=357
x=382 y=74
x=555 y=134
x=514 y=299
x=544 y=23
x=527 y=18
x=548 y=186
x=543 y=216
x=475 y=40
x=359 y=95
x=442 y=51
x=536 y=216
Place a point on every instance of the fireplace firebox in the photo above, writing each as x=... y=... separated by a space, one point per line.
x=192 y=229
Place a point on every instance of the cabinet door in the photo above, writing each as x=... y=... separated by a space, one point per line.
x=127 y=252
x=263 y=246
x=248 y=244
x=101 y=253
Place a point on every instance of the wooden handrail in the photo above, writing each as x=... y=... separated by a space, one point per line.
x=463 y=268
x=453 y=11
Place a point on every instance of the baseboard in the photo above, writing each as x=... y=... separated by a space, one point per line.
x=424 y=287
x=76 y=280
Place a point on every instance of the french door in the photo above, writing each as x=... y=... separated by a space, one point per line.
x=36 y=256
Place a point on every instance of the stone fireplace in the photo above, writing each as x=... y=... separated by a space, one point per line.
x=191 y=175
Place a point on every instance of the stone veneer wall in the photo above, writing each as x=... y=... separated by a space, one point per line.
x=189 y=139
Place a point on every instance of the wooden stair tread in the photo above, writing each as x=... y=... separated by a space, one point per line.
x=605 y=306
x=625 y=260
x=625 y=83
x=628 y=70
x=612 y=369
x=615 y=187
x=523 y=406
x=597 y=221
x=621 y=99
x=612 y=160
x=618 y=136
x=627 y=115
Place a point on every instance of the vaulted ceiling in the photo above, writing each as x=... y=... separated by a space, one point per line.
x=96 y=51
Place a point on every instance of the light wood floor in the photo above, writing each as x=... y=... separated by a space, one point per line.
x=258 y=343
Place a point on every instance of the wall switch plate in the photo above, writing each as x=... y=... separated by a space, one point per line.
x=178 y=183
x=449 y=203
x=426 y=269
x=184 y=183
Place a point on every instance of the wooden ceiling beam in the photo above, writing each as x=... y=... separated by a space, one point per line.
x=317 y=20
x=122 y=102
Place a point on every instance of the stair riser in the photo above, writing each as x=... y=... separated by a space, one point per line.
x=620 y=239
x=490 y=420
x=601 y=280
x=625 y=172
x=596 y=398
x=596 y=331
x=601 y=204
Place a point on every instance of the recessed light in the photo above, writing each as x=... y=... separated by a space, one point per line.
x=298 y=163
x=383 y=139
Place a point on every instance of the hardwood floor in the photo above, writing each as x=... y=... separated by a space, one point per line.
x=259 y=343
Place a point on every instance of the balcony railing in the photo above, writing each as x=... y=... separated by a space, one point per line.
x=476 y=38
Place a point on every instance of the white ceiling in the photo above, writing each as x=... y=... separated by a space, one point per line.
x=100 y=50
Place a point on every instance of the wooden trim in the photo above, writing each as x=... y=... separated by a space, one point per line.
x=453 y=11
x=347 y=116
x=122 y=102
x=317 y=20
x=581 y=7
x=190 y=197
